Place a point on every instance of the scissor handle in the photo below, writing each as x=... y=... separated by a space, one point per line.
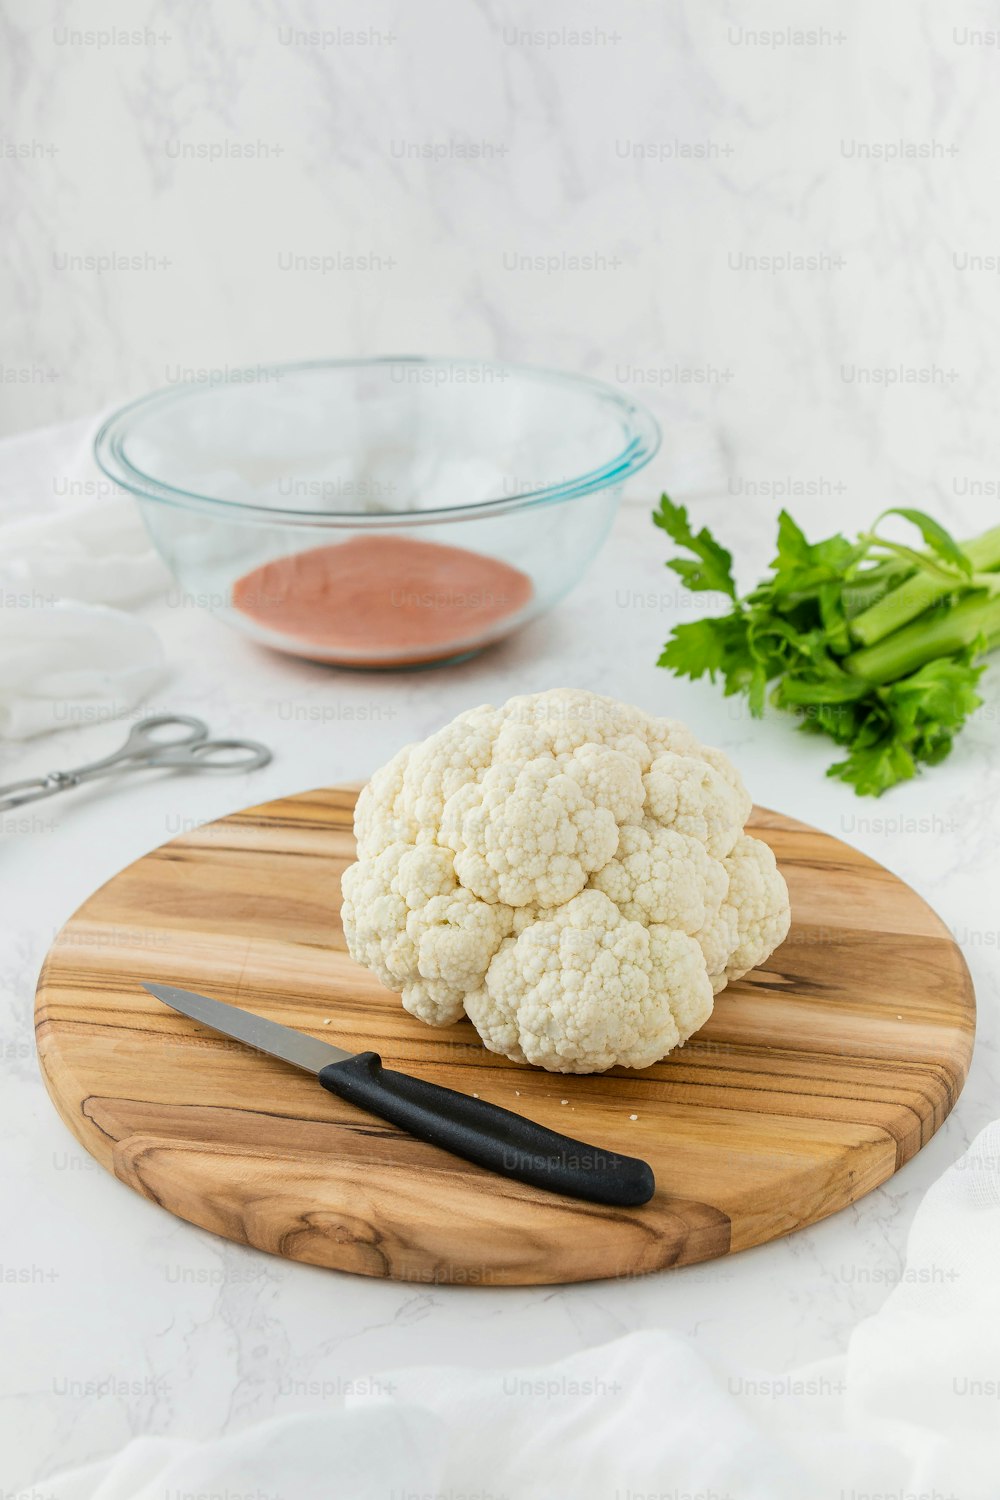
x=142 y=737
x=223 y=757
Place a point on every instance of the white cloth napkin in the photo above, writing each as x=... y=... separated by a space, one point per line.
x=71 y=544
x=66 y=531
x=67 y=664
x=911 y=1410
x=95 y=551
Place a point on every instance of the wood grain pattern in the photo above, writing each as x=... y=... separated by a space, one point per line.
x=813 y=1082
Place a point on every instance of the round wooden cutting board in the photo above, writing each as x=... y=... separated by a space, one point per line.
x=815 y=1079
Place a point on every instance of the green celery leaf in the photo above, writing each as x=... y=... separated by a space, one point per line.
x=910 y=723
x=839 y=721
x=873 y=769
x=793 y=546
x=779 y=644
x=933 y=703
x=702 y=576
x=716 y=647
x=945 y=688
x=710 y=570
x=696 y=648
x=801 y=566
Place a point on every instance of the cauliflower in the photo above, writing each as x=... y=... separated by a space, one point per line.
x=570 y=873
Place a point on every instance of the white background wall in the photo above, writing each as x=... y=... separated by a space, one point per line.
x=665 y=148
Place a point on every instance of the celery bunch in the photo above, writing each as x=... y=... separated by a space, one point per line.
x=874 y=643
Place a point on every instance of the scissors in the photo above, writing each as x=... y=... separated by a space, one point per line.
x=190 y=750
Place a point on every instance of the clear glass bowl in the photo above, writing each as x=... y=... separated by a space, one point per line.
x=378 y=513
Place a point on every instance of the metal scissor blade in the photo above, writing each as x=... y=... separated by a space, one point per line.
x=254 y=1031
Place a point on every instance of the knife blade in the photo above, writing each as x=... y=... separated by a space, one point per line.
x=484 y=1133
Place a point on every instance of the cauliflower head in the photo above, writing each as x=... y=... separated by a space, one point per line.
x=570 y=873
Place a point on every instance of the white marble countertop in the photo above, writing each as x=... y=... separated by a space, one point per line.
x=127 y=1321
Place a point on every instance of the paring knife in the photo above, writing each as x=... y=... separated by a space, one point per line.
x=492 y=1137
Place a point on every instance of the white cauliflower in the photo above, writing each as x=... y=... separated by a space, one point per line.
x=570 y=873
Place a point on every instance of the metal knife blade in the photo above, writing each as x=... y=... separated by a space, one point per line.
x=254 y=1031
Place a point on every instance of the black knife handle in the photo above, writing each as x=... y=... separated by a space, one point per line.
x=490 y=1136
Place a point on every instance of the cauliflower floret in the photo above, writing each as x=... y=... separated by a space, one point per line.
x=569 y=872
x=687 y=793
x=754 y=918
x=450 y=759
x=609 y=778
x=717 y=940
x=374 y=911
x=677 y=970
x=672 y=735
x=562 y=721
x=527 y=835
x=380 y=817
x=660 y=875
x=583 y=989
x=406 y=917
x=758 y=892
x=729 y=774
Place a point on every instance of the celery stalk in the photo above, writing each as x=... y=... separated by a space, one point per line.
x=918 y=593
x=940 y=633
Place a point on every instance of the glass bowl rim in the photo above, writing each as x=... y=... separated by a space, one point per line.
x=642 y=428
